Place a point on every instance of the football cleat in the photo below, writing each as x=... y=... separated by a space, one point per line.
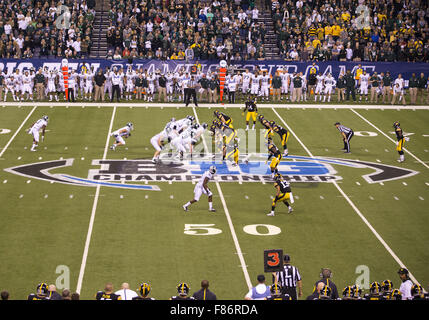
x=185 y=208
x=212 y=210
x=290 y=209
x=271 y=214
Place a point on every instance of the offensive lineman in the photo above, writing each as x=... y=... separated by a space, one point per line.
x=34 y=130
x=120 y=134
x=202 y=187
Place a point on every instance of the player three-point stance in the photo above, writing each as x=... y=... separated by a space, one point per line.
x=35 y=129
x=284 y=136
x=401 y=141
x=202 y=187
x=252 y=112
x=284 y=193
x=120 y=134
x=275 y=154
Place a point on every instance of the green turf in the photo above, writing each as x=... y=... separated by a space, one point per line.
x=139 y=235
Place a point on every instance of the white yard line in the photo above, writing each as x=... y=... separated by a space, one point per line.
x=94 y=209
x=228 y=217
x=376 y=128
x=358 y=212
x=139 y=104
x=17 y=131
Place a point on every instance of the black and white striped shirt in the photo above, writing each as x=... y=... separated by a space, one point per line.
x=289 y=276
x=344 y=129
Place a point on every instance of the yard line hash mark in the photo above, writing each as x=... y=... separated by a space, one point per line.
x=358 y=212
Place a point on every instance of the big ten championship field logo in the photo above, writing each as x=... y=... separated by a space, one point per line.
x=140 y=174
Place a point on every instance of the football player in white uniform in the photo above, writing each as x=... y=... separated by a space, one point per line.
x=129 y=79
x=26 y=85
x=88 y=85
x=265 y=86
x=10 y=86
x=245 y=82
x=120 y=134
x=52 y=90
x=364 y=83
x=319 y=86
x=285 y=84
x=329 y=85
x=158 y=140
x=151 y=79
x=399 y=90
x=35 y=129
x=202 y=187
x=169 y=86
x=254 y=89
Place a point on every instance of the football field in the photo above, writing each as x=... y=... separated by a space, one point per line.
x=77 y=213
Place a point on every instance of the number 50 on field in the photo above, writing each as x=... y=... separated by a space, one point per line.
x=210 y=230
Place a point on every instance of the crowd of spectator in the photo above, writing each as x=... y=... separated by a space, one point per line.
x=185 y=30
x=346 y=30
x=46 y=29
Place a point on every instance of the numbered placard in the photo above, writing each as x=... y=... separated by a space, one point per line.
x=273 y=260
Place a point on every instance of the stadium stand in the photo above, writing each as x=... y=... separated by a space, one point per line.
x=339 y=30
x=41 y=29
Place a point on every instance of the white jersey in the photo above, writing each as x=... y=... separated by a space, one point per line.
x=124 y=131
x=399 y=81
x=26 y=79
x=246 y=77
x=39 y=125
x=265 y=80
x=364 y=80
x=285 y=78
x=183 y=123
x=89 y=77
x=130 y=77
x=206 y=174
x=330 y=81
x=320 y=80
x=255 y=80
x=10 y=83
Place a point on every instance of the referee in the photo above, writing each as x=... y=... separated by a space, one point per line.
x=289 y=278
x=192 y=83
x=347 y=134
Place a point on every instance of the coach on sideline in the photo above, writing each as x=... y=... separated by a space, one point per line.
x=289 y=278
x=99 y=80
